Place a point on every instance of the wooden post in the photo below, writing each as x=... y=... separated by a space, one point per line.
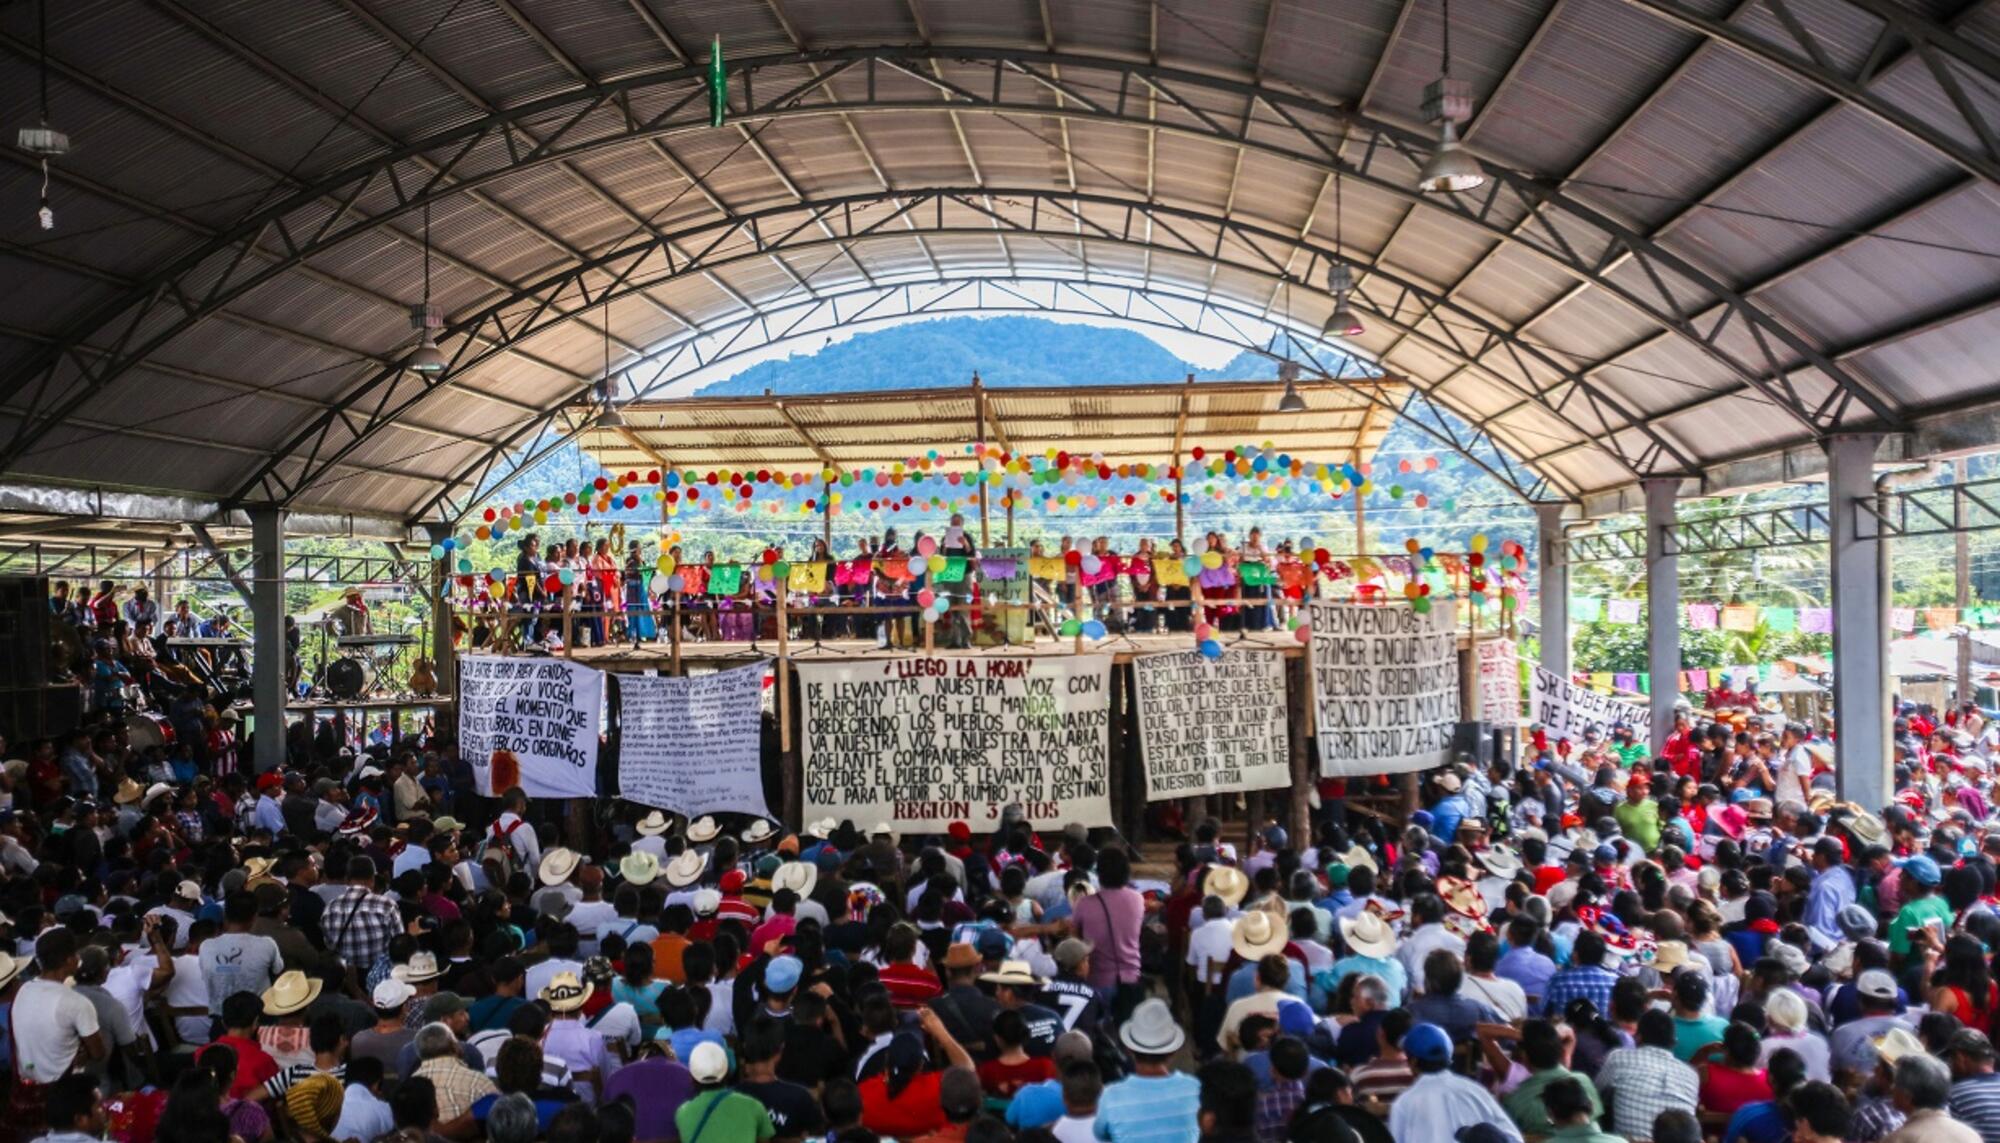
x=826 y=514
x=1298 y=696
x=1010 y=520
x=1076 y=606
x=568 y=621
x=979 y=437
x=674 y=632
x=930 y=632
x=1360 y=522
x=1180 y=433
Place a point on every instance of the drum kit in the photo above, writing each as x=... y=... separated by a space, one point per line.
x=369 y=665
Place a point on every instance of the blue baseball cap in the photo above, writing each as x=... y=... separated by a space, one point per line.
x=1427 y=1042
x=1924 y=869
x=1295 y=1019
x=782 y=974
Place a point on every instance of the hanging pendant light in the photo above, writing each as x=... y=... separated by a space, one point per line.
x=43 y=141
x=1344 y=322
x=608 y=416
x=1447 y=103
x=1291 y=402
x=426 y=359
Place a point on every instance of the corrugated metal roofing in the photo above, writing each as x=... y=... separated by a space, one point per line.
x=1864 y=232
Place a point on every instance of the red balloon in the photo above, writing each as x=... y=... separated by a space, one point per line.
x=600 y=484
x=1130 y=499
x=1072 y=557
x=1476 y=559
x=873 y=505
x=653 y=476
x=1198 y=453
x=632 y=477
x=582 y=509
x=1321 y=555
x=631 y=502
x=713 y=479
x=673 y=497
x=763 y=476
x=811 y=504
x=491 y=515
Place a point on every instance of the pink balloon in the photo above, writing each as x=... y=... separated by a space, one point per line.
x=926 y=547
x=1202 y=631
x=926 y=597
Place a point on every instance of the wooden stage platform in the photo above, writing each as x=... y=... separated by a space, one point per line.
x=708 y=655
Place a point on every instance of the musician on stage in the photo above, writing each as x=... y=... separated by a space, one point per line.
x=221 y=627
x=142 y=611
x=352 y=617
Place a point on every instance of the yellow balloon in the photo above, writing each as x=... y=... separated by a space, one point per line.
x=667 y=565
x=1479 y=541
x=936 y=563
x=541 y=517
x=1211 y=560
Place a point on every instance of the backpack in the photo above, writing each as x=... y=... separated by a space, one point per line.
x=500 y=851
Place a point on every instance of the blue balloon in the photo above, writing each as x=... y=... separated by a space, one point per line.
x=673 y=480
x=1210 y=649
x=1093 y=629
x=447 y=543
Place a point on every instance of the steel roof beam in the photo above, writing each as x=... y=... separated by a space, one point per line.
x=1492 y=214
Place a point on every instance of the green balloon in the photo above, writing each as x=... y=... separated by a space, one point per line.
x=1069 y=629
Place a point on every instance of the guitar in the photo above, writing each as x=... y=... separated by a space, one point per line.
x=423 y=677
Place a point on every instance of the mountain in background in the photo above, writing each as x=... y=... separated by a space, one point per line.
x=1004 y=351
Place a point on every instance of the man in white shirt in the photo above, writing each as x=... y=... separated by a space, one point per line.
x=591 y=911
x=1792 y=776
x=54 y=1023
x=1439 y=1103
x=512 y=828
x=1208 y=945
x=1429 y=935
x=181 y=908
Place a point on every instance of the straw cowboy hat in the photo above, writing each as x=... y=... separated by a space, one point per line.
x=1257 y=935
x=638 y=867
x=1461 y=896
x=1867 y=828
x=1448 y=782
x=292 y=992
x=1012 y=972
x=129 y=793
x=703 y=828
x=653 y=824
x=565 y=993
x=423 y=966
x=1368 y=934
x=1225 y=882
x=798 y=876
x=1358 y=857
x=558 y=864
x=686 y=869
x=1670 y=955
x=11 y=969
x=758 y=832
x=256 y=871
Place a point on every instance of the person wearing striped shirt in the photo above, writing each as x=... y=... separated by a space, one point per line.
x=328 y=1040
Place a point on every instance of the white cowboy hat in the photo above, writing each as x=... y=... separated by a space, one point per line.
x=1368 y=934
x=11 y=968
x=798 y=876
x=1256 y=935
x=1225 y=882
x=883 y=829
x=821 y=829
x=423 y=966
x=1358 y=856
x=154 y=791
x=292 y=992
x=758 y=832
x=638 y=867
x=565 y=993
x=557 y=865
x=1448 y=782
x=653 y=824
x=1014 y=972
x=686 y=869
x=1499 y=861
x=703 y=828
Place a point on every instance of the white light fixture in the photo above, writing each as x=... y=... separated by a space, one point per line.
x=43 y=141
x=608 y=416
x=1343 y=322
x=1447 y=103
x=427 y=360
x=1291 y=402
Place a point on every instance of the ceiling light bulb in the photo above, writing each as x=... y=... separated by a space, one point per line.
x=1291 y=402
x=1451 y=168
x=427 y=358
x=609 y=418
x=1344 y=322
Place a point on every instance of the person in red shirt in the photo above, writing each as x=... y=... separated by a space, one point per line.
x=254 y=1065
x=104 y=605
x=905 y=1099
x=733 y=907
x=910 y=986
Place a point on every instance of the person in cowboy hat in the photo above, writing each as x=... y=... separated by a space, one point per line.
x=571 y=1040
x=652 y=830
x=1428 y=933
x=1259 y=939
x=1015 y=987
x=1154 y=1093
x=554 y=872
x=703 y=830
x=1371 y=938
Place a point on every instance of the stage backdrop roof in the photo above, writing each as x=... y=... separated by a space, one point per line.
x=1344 y=422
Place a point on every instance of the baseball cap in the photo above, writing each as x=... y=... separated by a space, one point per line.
x=1876 y=985
x=1972 y=1042
x=1427 y=1042
x=1071 y=953
x=393 y=993
x=442 y=1005
x=1923 y=869
x=782 y=974
x=993 y=944
x=959 y=1093
x=708 y=1063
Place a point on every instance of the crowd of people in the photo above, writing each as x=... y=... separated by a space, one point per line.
x=614 y=598
x=1603 y=942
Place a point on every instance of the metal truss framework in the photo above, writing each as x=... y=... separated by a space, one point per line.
x=1736 y=532
x=1152 y=307
x=1069 y=222
x=1937 y=510
x=194 y=564
x=1515 y=208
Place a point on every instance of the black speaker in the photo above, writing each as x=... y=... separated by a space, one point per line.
x=39 y=712
x=24 y=631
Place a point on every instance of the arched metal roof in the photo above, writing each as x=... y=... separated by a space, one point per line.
x=1712 y=230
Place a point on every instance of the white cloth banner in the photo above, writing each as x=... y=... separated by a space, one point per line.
x=693 y=745
x=923 y=742
x=1209 y=726
x=530 y=722
x=1499 y=682
x=1385 y=686
x=1565 y=709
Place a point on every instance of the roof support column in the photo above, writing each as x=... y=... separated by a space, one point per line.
x=1859 y=557
x=1663 y=605
x=443 y=651
x=1553 y=560
x=267 y=652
